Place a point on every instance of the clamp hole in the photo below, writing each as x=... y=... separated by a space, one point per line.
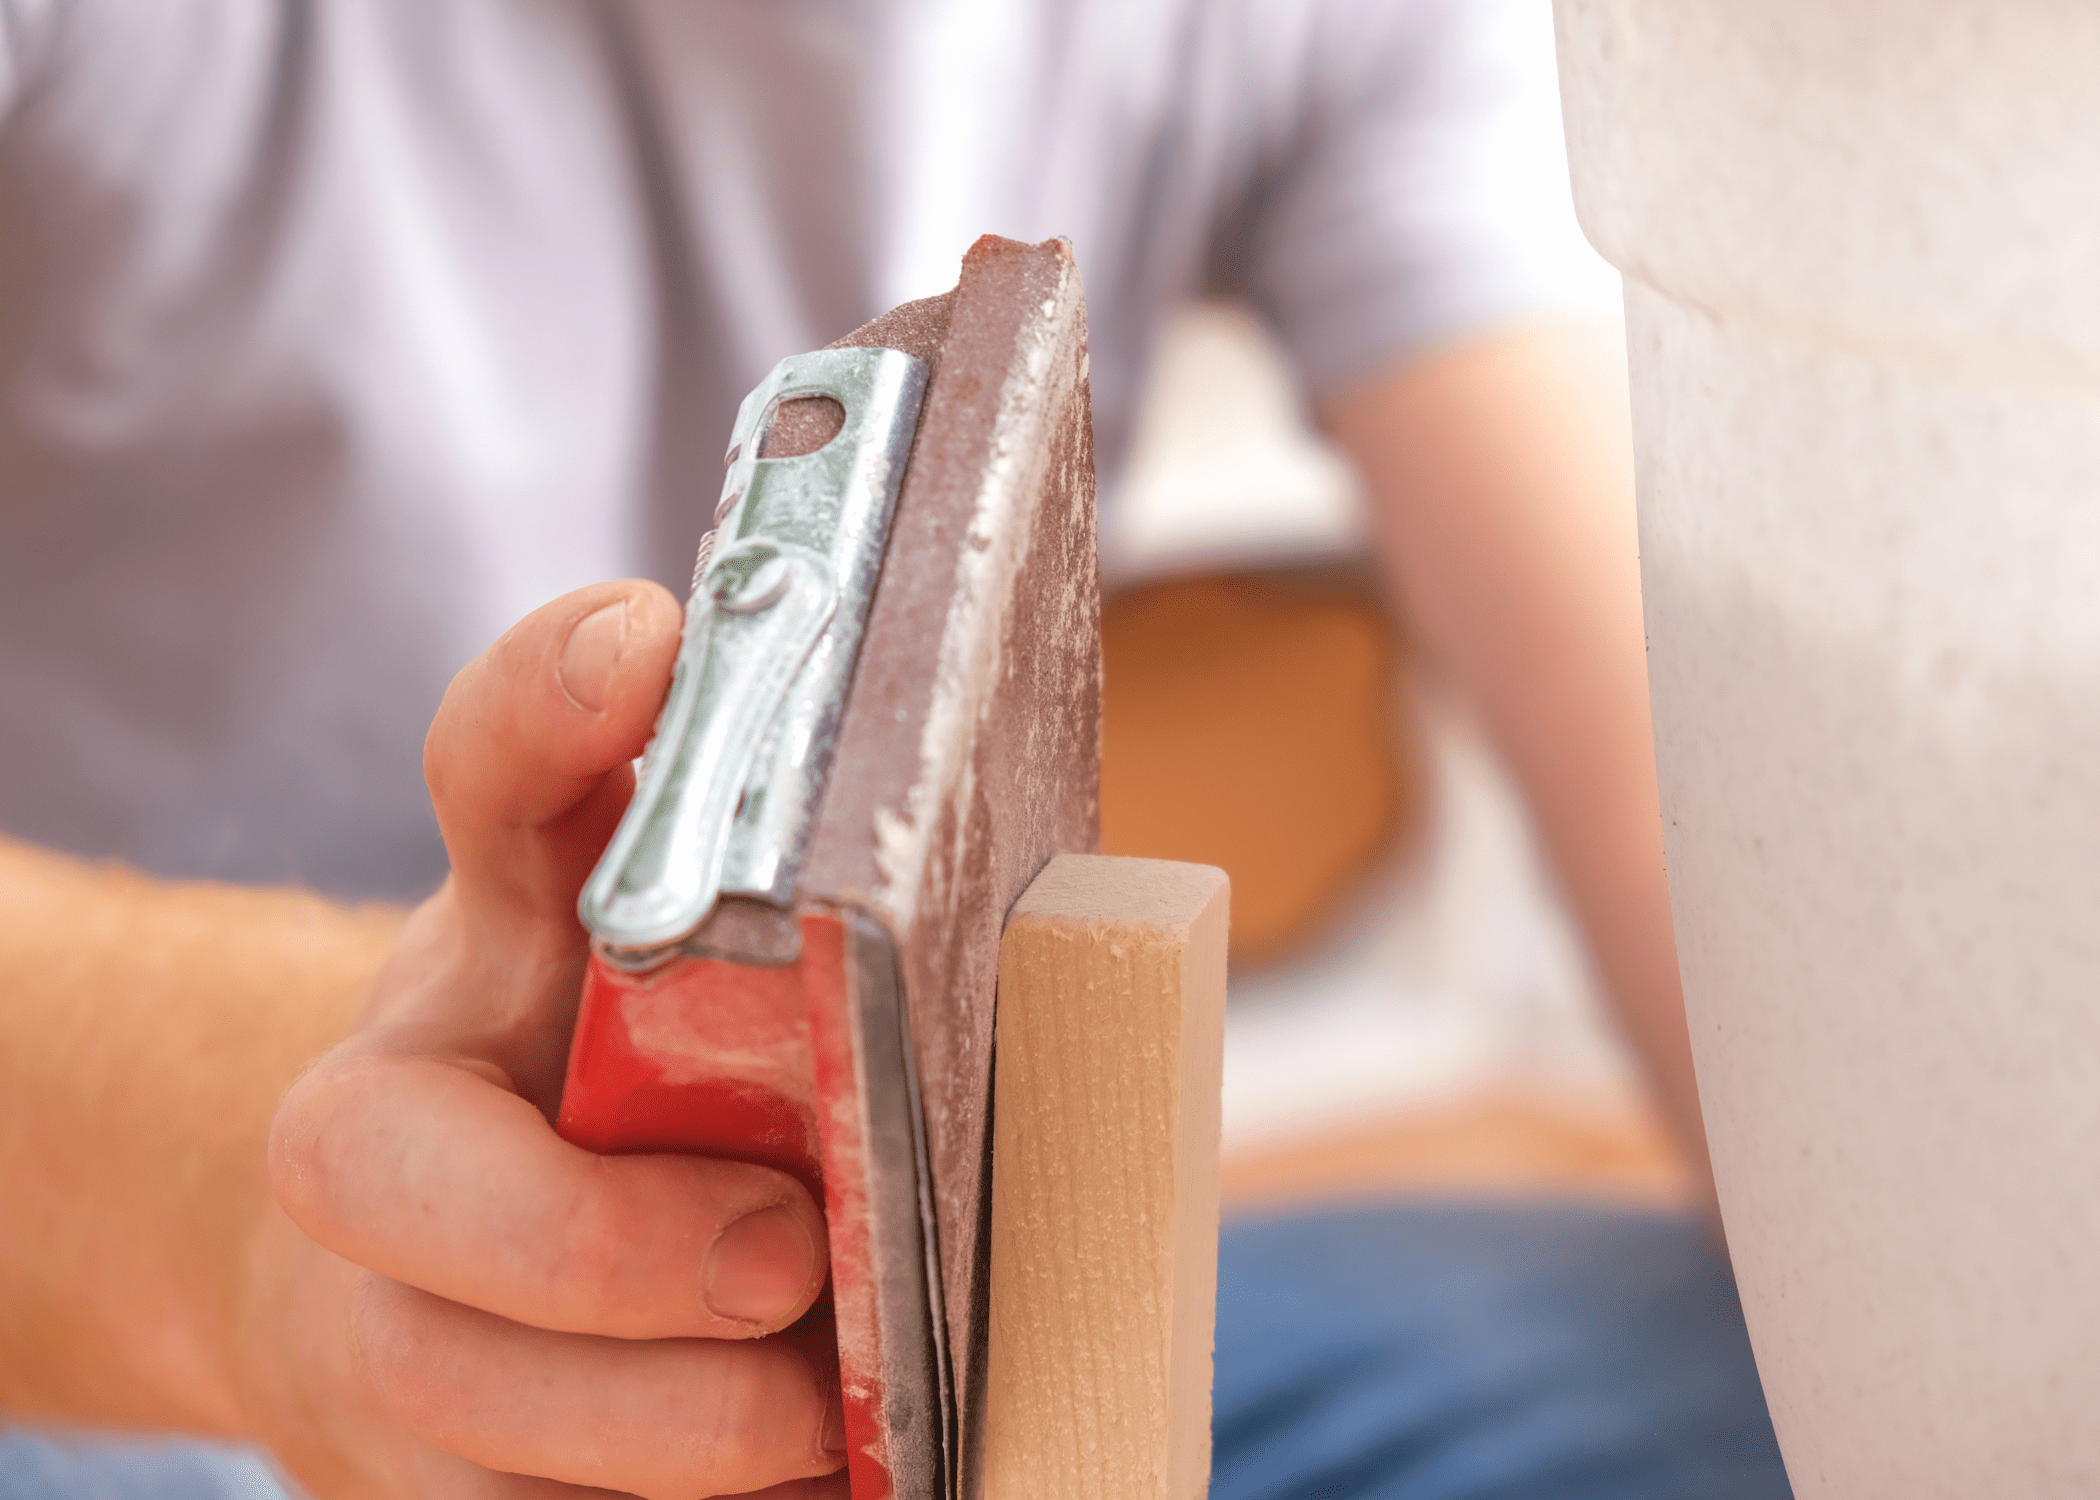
x=800 y=425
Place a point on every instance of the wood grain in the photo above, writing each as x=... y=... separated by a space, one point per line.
x=1110 y=1037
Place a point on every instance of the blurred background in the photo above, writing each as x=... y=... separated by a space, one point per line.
x=1410 y=1005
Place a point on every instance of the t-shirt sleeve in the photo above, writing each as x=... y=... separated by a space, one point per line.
x=1415 y=186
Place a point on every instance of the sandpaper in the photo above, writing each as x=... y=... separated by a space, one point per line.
x=970 y=749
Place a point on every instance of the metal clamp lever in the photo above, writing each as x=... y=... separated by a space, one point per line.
x=732 y=780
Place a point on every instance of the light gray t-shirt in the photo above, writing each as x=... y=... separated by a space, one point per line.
x=335 y=336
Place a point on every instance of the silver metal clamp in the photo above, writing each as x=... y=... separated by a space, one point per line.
x=706 y=858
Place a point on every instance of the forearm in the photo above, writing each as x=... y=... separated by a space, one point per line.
x=1504 y=482
x=394 y=1273
x=147 y=1033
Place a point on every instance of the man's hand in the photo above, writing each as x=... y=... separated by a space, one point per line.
x=453 y=1296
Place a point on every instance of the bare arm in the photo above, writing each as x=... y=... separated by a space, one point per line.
x=1502 y=481
x=147 y=1032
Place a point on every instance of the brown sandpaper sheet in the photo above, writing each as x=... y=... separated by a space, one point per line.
x=969 y=750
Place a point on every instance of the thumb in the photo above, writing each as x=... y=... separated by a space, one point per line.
x=528 y=757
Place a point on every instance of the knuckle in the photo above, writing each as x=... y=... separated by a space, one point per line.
x=591 y=1259
x=633 y=1235
x=301 y=1155
x=764 y=1397
x=392 y=1333
x=291 y=1145
x=439 y=742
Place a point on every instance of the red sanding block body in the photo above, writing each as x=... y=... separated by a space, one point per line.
x=708 y=1057
x=718 y=1058
x=851 y=827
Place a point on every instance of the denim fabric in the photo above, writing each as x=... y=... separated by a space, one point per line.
x=1401 y=1352
x=1521 y=1352
x=47 y=1466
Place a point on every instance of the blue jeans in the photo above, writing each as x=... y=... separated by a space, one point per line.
x=1403 y=1352
x=1519 y=1352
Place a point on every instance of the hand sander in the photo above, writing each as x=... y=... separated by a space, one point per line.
x=883 y=722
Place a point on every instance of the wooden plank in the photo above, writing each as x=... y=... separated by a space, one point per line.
x=1104 y=1264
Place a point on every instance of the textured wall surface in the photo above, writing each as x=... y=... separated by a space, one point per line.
x=1862 y=245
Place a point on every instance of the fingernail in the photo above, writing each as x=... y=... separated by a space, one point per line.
x=593 y=651
x=832 y=1444
x=760 y=1268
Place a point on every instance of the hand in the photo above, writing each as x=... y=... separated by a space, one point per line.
x=454 y=1298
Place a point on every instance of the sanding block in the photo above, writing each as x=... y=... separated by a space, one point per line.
x=884 y=721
